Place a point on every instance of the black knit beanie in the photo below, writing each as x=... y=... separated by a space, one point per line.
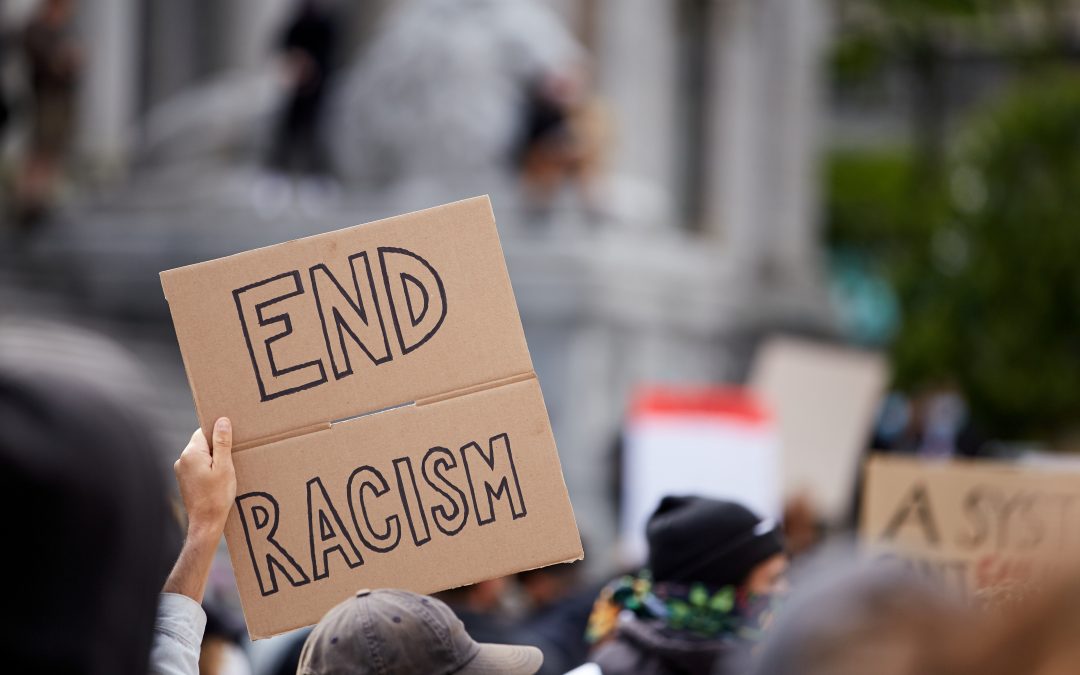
x=709 y=541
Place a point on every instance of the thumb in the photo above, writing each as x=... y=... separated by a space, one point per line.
x=222 y=446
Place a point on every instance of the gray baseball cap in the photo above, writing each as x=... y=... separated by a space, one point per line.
x=392 y=632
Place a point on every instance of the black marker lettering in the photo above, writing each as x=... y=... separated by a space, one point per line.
x=340 y=315
x=369 y=478
x=917 y=504
x=411 y=501
x=413 y=287
x=251 y=302
x=450 y=520
x=259 y=517
x=493 y=472
x=327 y=533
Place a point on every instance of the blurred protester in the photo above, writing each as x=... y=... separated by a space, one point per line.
x=436 y=106
x=562 y=140
x=98 y=533
x=82 y=497
x=935 y=422
x=288 y=658
x=53 y=59
x=882 y=618
x=308 y=43
x=207 y=487
x=878 y=619
x=558 y=614
x=221 y=652
x=804 y=529
x=478 y=607
x=1031 y=631
x=393 y=632
x=714 y=571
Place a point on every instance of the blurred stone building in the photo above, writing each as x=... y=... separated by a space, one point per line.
x=705 y=237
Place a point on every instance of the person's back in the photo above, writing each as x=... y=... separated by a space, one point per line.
x=86 y=530
x=713 y=568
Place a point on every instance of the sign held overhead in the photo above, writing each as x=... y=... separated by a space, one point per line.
x=824 y=399
x=971 y=525
x=389 y=427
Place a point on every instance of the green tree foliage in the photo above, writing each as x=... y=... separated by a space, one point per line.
x=985 y=261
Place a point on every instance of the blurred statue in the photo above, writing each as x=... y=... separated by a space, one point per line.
x=440 y=92
x=309 y=43
x=53 y=59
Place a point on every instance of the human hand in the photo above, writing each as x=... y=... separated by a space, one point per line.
x=207 y=480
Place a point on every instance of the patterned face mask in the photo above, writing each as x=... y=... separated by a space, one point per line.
x=694 y=608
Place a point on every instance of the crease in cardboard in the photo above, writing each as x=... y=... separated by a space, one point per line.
x=283 y=436
x=427 y=400
x=475 y=388
x=388 y=408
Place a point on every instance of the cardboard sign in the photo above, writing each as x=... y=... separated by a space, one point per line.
x=716 y=442
x=389 y=427
x=825 y=400
x=971 y=525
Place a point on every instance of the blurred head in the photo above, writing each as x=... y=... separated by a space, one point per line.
x=57 y=11
x=547 y=585
x=86 y=529
x=715 y=542
x=1030 y=630
x=393 y=632
x=483 y=596
x=875 y=619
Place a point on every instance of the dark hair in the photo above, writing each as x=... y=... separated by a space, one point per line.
x=87 y=529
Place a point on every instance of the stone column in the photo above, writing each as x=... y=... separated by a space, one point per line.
x=636 y=59
x=762 y=165
x=250 y=31
x=108 y=95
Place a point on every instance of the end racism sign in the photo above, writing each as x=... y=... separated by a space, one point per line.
x=971 y=525
x=389 y=427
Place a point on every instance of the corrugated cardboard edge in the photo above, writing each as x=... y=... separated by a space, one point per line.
x=322 y=235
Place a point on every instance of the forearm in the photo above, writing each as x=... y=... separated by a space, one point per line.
x=192 y=569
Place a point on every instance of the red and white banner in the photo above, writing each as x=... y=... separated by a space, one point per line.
x=713 y=441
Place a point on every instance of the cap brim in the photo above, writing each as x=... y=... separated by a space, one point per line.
x=504 y=660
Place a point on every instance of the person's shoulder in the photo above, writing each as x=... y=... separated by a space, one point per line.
x=618 y=655
x=586 y=669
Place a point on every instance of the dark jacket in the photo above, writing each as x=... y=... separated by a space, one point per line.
x=649 y=648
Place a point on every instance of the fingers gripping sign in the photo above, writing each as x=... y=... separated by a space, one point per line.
x=208 y=487
x=207 y=479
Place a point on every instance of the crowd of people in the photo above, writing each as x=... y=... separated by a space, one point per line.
x=105 y=579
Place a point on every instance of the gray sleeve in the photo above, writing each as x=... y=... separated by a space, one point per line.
x=178 y=634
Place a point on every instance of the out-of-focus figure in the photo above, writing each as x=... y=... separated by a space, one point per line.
x=714 y=571
x=53 y=60
x=478 y=606
x=803 y=527
x=880 y=618
x=435 y=106
x=558 y=614
x=222 y=652
x=563 y=140
x=877 y=619
x=84 y=498
x=308 y=44
x=393 y=632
